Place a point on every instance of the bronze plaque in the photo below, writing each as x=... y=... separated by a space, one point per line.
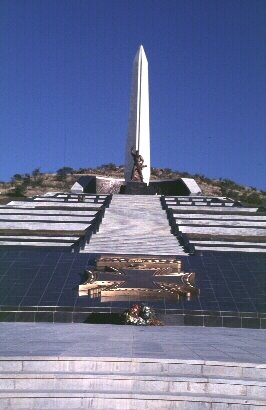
x=122 y=278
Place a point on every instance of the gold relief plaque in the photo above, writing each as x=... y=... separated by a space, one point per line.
x=120 y=278
x=123 y=262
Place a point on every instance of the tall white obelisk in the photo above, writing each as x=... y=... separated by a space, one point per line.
x=139 y=124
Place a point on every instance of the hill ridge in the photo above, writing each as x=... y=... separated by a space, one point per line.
x=38 y=183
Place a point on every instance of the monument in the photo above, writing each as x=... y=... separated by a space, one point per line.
x=138 y=139
x=137 y=158
x=137 y=162
x=115 y=249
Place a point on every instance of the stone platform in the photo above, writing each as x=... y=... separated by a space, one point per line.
x=122 y=367
x=94 y=184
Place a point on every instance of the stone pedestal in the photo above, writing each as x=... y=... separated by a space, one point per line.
x=138 y=188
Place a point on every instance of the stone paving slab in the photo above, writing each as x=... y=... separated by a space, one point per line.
x=167 y=342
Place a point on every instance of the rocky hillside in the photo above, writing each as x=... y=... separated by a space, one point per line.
x=39 y=183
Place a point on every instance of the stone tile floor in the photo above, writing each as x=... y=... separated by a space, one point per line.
x=167 y=342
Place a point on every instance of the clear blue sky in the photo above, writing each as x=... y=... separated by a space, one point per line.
x=65 y=78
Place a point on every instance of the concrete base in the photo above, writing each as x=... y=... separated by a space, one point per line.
x=93 y=184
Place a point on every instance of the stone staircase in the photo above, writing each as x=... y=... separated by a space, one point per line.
x=217 y=223
x=129 y=384
x=135 y=224
x=58 y=221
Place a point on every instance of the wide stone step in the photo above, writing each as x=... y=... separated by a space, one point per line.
x=131 y=245
x=115 y=223
x=130 y=248
x=250 y=217
x=34 y=212
x=127 y=242
x=149 y=252
x=136 y=243
x=229 y=249
x=135 y=235
x=131 y=227
x=44 y=226
x=125 y=401
x=136 y=251
x=122 y=365
x=136 y=204
x=135 y=207
x=136 y=246
x=151 y=198
x=47 y=238
x=35 y=244
x=178 y=208
x=71 y=382
x=223 y=231
x=46 y=218
x=115 y=237
x=223 y=223
x=122 y=383
x=120 y=235
x=61 y=205
x=133 y=215
x=229 y=243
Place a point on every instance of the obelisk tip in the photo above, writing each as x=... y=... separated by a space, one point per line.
x=141 y=52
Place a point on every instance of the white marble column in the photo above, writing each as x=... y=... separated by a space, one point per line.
x=139 y=123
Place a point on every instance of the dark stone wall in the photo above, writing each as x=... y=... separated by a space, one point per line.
x=230 y=283
x=91 y=185
x=171 y=187
x=138 y=188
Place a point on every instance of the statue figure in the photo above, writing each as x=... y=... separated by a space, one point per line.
x=136 y=174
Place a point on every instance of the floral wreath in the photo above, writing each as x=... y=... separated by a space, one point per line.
x=141 y=315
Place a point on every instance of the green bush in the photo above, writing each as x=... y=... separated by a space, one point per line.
x=18 y=191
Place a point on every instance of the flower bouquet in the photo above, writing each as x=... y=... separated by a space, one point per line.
x=141 y=315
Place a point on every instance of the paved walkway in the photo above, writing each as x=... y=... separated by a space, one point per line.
x=167 y=342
